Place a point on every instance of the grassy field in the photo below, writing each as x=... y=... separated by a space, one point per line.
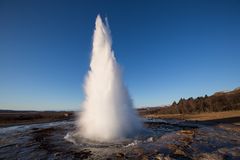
x=10 y=118
x=199 y=116
x=29 y=117
x=227 y=116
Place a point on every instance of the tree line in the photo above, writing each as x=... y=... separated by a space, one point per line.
x=220 y=101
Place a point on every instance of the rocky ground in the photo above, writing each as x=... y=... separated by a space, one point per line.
x=163 y=140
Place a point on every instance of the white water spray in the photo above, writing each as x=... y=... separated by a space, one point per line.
x=108 y=112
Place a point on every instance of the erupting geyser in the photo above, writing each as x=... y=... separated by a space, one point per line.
x=108 y=112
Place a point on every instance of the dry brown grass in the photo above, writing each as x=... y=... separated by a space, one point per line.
x=29 y=117
x=198 y=117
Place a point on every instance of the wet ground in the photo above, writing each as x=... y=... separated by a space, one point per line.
x=162 y=140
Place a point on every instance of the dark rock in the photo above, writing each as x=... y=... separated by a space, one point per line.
x=120 y=155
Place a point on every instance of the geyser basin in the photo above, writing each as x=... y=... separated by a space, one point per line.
x=108 y=112
x=165 y=140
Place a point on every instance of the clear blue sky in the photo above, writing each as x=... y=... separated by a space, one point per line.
x=167 y=49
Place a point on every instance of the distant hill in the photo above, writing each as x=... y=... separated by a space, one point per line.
x=14 y=111
x=219 y=101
